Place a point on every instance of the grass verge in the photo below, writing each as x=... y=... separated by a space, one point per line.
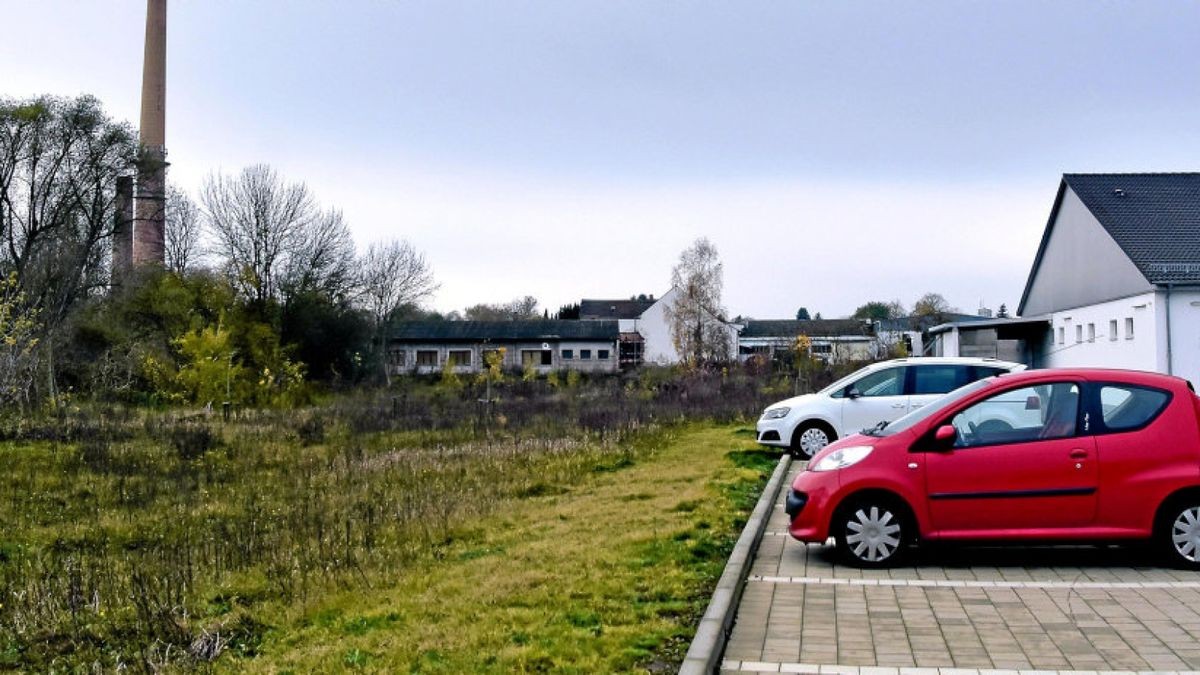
x=608 y=573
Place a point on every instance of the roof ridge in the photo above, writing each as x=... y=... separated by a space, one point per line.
x=1133 y=173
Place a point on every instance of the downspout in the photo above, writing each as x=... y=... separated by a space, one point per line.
x=1170 y=370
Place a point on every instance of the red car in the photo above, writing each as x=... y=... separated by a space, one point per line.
x=1066 y=455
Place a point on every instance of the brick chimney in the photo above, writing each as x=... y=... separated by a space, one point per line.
x=122 y=245
x=148 y=232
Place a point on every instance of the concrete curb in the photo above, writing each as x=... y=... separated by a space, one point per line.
x=704 y=654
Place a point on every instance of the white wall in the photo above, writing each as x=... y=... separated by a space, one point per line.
x=656 y=331
x=947 y=343
x=1139 y=352
x=1185 y=333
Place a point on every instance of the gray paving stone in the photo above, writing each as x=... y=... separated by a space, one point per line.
x=991 y=610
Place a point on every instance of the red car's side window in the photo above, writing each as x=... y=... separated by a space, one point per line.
x=1125 y=407
x=1038 y=412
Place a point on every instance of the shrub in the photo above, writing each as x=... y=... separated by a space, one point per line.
x=192 y=441
x=312 y=430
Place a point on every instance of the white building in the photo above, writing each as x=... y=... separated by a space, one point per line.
x=645 y=328
x=1116 y=279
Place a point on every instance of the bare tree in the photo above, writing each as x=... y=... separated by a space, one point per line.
x=696 y=317
x=391 y=275
x=182 y=231
x=323 y=259
x=59 y=161
x=256 y=220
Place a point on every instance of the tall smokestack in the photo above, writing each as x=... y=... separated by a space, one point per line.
x=122 y=246
x=152 y=162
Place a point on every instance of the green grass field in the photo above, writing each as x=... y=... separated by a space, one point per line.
x=381 y=552
x=607 y=573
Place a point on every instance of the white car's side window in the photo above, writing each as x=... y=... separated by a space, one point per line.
x=938 y=379
x=887 y=382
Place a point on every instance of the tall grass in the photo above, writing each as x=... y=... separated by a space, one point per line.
x=146 y=539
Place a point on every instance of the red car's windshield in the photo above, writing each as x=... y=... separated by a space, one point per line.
x=932 y=408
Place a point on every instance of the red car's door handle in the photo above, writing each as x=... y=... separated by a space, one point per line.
x=1079 y=454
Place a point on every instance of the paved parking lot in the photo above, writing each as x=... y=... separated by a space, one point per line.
x=961 y=611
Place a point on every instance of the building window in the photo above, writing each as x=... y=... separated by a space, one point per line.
x=821 y=349
x=1091 y=332
x=1129 y=328
x=427 y=357
x=585 y=354
x=1062 y=335
x=459 y=357
x=602 y=354
x=536 y=357
x=396 y=357
x=568 y=353
x=1112 y=329
x=1079 y=333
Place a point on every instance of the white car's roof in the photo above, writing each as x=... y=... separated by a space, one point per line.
x=925 y=361
x=948 y=360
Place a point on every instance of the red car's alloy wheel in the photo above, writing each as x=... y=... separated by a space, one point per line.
x=1185 y=534
x=871 y=534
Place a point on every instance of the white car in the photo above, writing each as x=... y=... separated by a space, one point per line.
x=881 y=392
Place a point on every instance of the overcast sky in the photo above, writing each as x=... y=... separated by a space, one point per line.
x=834 y=152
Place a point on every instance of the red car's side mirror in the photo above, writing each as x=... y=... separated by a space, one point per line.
x=945 y=435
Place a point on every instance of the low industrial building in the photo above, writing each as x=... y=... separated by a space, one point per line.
x=422 y=347
x=831 y=340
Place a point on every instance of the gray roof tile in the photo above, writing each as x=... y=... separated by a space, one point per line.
x=812 y=328
x=503 y=331
x=1153 y=217
x=613 y=309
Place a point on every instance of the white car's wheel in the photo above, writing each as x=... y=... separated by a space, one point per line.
x=810 y=438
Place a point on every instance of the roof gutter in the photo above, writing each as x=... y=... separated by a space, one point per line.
x=1170 y=370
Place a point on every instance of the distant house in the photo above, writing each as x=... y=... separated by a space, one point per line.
x=429 y=346
x=1116 y=279
x=833 y=340
x=645 y=331
x=631 y=347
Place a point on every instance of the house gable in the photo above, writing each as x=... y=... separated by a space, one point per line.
x=592 y=310
x=1078 y=262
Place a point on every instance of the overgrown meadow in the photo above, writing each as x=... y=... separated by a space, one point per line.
x=151 y=539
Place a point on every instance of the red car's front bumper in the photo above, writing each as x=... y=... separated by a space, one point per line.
x=810 y=504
